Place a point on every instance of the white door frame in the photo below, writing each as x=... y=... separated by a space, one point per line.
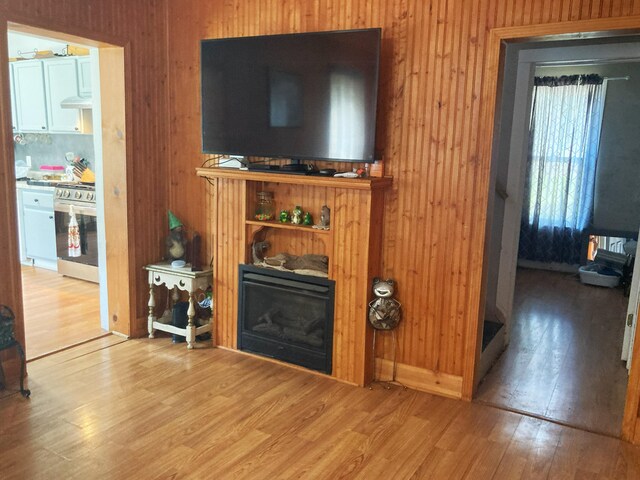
x=631 y=321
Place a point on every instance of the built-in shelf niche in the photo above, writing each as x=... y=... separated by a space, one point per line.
x=287 y=237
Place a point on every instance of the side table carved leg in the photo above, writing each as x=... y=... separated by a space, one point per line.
x=191 y=328
x=151 y=318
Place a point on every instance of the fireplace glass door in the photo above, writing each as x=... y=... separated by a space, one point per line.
x=286 y=316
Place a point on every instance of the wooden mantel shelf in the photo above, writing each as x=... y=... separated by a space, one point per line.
x=369 y=183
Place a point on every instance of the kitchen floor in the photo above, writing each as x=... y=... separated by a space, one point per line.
x=58 y=311
x=563 y=361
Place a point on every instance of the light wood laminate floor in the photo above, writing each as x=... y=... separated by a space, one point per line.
x=58 y=311
x=152 y=409
x=563 y=361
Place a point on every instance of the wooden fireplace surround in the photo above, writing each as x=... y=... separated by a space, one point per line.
x=353 y=245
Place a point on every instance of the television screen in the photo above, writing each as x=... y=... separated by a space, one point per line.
x=299 y=96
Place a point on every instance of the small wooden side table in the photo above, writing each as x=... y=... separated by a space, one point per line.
x=175 y=279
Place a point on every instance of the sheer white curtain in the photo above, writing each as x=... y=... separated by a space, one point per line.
x=564 y=135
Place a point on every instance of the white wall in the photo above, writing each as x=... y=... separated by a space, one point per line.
x=26 y=44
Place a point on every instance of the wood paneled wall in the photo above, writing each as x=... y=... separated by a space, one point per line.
x=429 y=129
x=140 y=27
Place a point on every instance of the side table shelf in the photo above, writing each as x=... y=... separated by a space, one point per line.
x=177 y=279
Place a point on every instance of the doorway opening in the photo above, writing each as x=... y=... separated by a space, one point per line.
x=552 y=344
x=61 y=291
x=59 y=120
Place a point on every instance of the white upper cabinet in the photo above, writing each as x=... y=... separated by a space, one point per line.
x=38 y=87
x=84 y=76
x=28 y=79
x=61 y=81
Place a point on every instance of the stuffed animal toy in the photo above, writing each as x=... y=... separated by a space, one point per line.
x=384 y=311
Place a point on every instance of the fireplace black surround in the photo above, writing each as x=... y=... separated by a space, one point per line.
x=286 y=316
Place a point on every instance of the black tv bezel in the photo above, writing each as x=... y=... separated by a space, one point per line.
x=376 y=155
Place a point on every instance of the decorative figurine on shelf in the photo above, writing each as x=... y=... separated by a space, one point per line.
x=325 y=219
x=296 y=215
x=284 y=216
x=308 y=219
x=257 y=251
x=176 y=241
x=384 y=314
x=384 y=311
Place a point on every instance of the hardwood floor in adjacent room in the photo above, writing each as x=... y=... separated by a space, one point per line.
x=563 y=360
x=152 y=409
x=58 y=311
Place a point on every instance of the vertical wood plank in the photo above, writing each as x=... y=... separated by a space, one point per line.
x=114 y=147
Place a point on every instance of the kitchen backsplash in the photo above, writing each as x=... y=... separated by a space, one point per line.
x=49 y=148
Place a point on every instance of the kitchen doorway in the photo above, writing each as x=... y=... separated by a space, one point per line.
x=83 y=307
x=561 y=339
x=53 y=87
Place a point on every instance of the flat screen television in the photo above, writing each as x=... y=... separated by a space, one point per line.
x=308 y=96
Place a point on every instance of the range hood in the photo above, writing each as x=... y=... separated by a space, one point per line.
x=77 y=102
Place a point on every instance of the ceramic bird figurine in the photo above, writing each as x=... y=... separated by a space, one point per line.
x=325 y=216
x=325 y=219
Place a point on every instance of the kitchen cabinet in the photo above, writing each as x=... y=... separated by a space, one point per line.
x=60 y=82
x=38 y=87
x=37 y=227
x=14 y=122
x=84 y=76
x=31 y=111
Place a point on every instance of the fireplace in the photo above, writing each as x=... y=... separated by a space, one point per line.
x=286 y=316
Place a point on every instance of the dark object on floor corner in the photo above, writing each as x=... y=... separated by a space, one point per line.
x=8 y=340
x=179 y=318
x=489 y=331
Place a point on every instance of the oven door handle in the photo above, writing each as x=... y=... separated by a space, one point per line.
x=77 y=209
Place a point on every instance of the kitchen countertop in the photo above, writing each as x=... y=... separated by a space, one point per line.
x=22 y=184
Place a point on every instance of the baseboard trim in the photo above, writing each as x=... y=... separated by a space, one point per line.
x=421 y=379
x=286 y=364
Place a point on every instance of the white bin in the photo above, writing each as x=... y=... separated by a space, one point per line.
x=589 y=275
